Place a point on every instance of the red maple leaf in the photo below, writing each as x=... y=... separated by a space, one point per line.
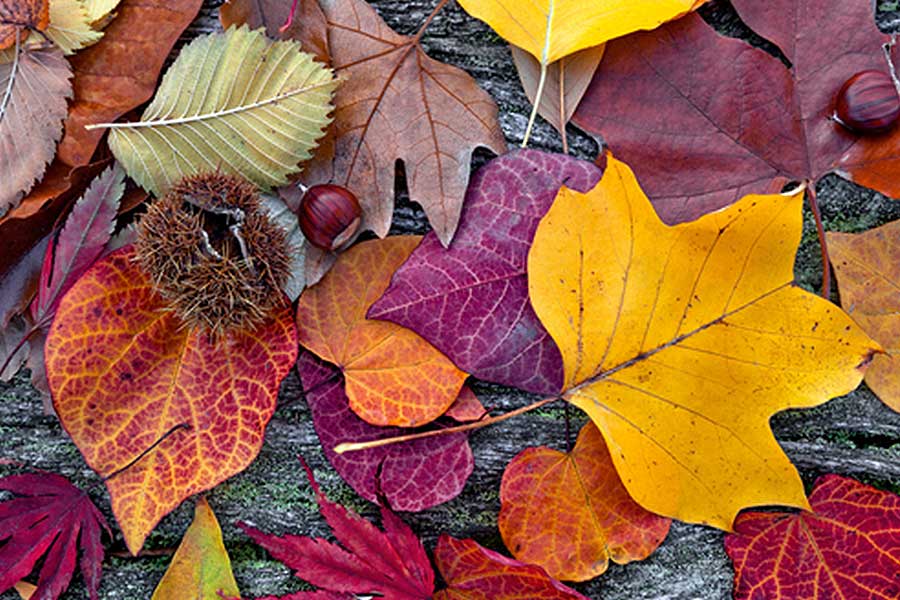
x=847 y=548
x=392 y=563
x=49 y=516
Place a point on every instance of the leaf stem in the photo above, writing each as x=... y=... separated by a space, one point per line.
x=820 y=231
x=7 y=94
x=537 y=102
x=354 y=446
x=212 y=115
x=562 y=106
x=18 y=347
x=428 y=20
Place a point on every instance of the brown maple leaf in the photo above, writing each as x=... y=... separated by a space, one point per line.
x=396 y=103
x=16 y=15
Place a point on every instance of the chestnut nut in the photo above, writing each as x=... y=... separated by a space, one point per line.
x=329 y=216
x=868 y=103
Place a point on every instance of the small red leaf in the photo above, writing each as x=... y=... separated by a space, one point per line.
x=392 y=563
x=476 y=573
x=847 y=548
x=49 y=516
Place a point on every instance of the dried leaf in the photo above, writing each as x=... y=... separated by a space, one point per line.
x=410 y=476
x=392 y=563
x=392 y=376
x=308 y=25
x=399 y=104
x=120 y=72
x=476 y=573
x=264 y=106
x=867 y=266
x=18 y=16
x=846 y=548
x=471 y=300
x=49 y=517
x=200 y=569
x=570 y=513
x=566 y=81
x=280 y=213
x=129 y=378
x=681 y=342
x=33 y=92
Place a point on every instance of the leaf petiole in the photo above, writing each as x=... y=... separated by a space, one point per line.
x=355 y=446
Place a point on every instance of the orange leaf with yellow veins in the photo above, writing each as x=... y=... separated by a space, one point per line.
x=570 y=514
x=681 y=342
x=392 y=376
x=867 y=266
x=132 y=384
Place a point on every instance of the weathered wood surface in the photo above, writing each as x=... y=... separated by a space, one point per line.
x=854 y=435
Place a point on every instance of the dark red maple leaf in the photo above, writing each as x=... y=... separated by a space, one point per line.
x=49 y=516
x=847 y=548
x=704 y=119
x=391 y=563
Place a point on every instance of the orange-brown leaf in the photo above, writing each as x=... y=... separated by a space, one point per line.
x=128 y=378
x=392 y=376
x=398 y=104
x=18 y=15
x=868 y=274
x=120 y=72
x=570 y=513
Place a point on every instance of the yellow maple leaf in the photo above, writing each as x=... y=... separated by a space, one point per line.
x=681 y=342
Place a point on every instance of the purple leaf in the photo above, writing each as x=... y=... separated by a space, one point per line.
x=411 y=476
x=471 y=300
x=80 y=242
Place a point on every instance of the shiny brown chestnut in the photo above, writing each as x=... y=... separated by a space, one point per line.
x=329 y=215
x=868 y=103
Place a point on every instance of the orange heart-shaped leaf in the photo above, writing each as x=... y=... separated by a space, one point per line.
x=392 y=376
x=570 y=513
x=132 y=384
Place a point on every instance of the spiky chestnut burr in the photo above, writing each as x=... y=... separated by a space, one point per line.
x=213 y=253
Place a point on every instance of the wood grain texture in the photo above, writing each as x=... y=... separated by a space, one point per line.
x=855 y=435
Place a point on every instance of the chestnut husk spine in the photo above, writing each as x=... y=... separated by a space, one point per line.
x=868 y=103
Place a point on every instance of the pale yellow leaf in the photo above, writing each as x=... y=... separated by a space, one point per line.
x=236 y=102
x=98 y=9
x=70 y=27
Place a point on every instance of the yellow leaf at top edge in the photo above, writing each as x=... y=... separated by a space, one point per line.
x=200 y=567
x=681 y=342
x=98 y=9
x=70 y=27
x=552 y=29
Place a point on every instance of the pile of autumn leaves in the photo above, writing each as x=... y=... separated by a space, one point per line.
x=677 y=330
